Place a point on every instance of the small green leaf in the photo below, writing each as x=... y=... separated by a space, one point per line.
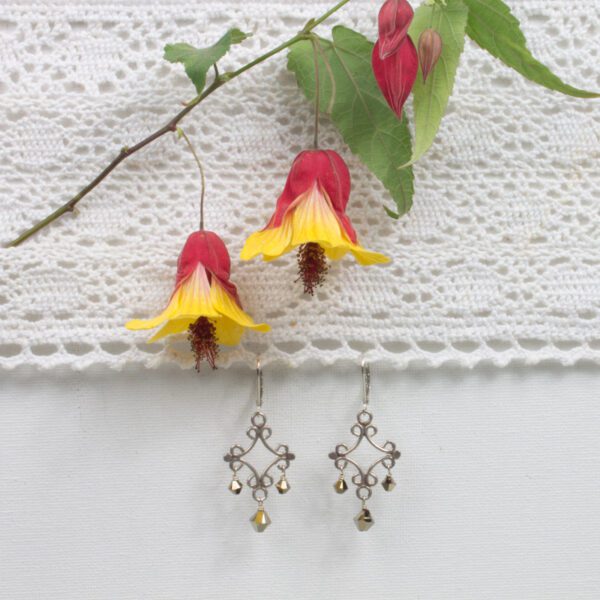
x=497 y=30
x=430 y=98
x=197 y=61
x=349 y=94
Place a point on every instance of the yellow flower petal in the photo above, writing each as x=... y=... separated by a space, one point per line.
x=273 y=241
x=368 y=257
x=336 y=253
x=190 y=299
x=197 y=297
x=172 y=327
x=229 y=333
x=310 y=218
x=314 y=220
x=230 y=309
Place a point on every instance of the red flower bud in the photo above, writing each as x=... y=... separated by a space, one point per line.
x=395 y=18
x=396 y=74
x=430 y=50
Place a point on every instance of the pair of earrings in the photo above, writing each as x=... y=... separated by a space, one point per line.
x=363 y=479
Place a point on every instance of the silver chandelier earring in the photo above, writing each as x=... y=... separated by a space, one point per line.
x=259 y=481
x=364 y=479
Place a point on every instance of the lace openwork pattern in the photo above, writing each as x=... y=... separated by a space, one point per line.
x=499 y=260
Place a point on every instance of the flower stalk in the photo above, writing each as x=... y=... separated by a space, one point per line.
x=182 y=134
x=317 y=92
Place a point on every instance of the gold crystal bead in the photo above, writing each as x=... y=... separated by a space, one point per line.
x=340 y=486
x=388 y=483
x=364 y=520
x=235 y=487
x=283 y=486
x=260 y=520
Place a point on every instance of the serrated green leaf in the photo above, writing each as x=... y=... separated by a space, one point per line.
x=349 y=94
x=497 y=30
x=197 y=61
x=430 y=98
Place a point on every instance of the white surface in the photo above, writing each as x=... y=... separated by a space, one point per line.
x=498 y=261
x=114 y=487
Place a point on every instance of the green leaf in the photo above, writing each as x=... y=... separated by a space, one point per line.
x=497 y=30
x=349 y=94
x=197 y=61
x=430 y=98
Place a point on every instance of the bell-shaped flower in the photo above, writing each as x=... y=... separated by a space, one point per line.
x=311 y=214
x=205 y=303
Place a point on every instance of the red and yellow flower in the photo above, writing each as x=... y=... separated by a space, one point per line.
x=311 y=214
x=205 y=303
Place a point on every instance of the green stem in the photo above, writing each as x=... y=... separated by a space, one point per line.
x=171 y=126
x=183 y=134
x=317 y=92
x=326 y=15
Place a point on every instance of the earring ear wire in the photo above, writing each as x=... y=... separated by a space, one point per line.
x=366 y=373
x=259 y=384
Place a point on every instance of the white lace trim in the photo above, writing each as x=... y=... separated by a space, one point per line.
x=498 y=261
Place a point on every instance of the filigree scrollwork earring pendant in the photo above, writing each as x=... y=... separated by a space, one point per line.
x=259 y=481
x=364 y=479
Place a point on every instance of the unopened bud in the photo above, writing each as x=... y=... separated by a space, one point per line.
x=430 y=50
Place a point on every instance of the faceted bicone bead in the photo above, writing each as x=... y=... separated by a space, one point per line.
x=364 y=520
x=260 y=520
x=340 y=486
x=388 y=483
x=235 y=487
x=283 y=486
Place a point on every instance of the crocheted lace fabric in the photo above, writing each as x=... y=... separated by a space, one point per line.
x=498 y=261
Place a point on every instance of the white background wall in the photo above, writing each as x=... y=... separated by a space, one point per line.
x=112 y=486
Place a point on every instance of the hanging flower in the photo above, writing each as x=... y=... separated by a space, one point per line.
x=204 y=302
x=394 y=60
x=310 y=214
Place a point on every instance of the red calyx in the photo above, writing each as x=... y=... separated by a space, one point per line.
x=395 y=17
x=396 y=74
x=328 y=170
x=208 y=249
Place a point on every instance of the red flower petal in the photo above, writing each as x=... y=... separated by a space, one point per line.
x=206 y=248
x=325 y=167
x=396 y=74
x=395 y=18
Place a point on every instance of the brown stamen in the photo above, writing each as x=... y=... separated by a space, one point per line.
x=202 y=335
x=312 y=266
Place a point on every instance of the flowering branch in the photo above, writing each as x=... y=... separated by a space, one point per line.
x=378 y=134
x=171 y=126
